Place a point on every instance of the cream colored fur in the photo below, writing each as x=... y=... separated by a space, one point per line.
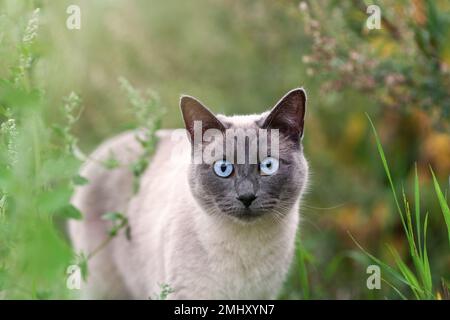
x=173 y=242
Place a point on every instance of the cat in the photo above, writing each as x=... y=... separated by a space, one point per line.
x=218 y=230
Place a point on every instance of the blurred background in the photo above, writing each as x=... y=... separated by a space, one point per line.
x=237 y=57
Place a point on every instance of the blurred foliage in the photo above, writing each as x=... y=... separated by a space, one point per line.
x=237 y=57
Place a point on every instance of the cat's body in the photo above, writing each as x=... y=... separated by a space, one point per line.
x=175 y=239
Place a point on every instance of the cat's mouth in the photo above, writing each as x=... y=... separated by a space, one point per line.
x=247 y=214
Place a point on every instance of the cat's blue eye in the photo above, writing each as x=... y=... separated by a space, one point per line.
x=223 y=168
x=269 y=166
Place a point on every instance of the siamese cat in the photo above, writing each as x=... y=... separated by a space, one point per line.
x=222 y=229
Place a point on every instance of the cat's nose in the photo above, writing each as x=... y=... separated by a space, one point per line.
x=247 y=199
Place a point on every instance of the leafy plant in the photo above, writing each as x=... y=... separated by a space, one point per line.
x=148 y=113
x=419 y=280
x=165 y=291
x=402 y=66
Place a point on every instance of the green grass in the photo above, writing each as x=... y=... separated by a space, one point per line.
x=443 y=203
x=419 y=278
x=302 y=256
x=60 y=96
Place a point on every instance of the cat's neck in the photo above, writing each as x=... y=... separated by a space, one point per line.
x=216 y=231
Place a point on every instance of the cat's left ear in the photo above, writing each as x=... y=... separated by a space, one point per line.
x=288 y=114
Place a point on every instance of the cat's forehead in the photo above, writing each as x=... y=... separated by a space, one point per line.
x=250 y=127
x=242 y=121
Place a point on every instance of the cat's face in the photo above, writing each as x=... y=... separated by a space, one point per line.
x=249 y=166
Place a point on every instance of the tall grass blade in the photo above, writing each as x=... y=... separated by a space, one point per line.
x=417 y=208
x=427 y=270
x=407 y=273
x=388 y=268
x=395 y=289
x=388 y=173
x=443 y=203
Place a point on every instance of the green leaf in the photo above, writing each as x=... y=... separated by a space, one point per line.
x=69 y=212
x=410 y=234
x=303 y=271
x=79 y=180
x=119 y=222
x=113 y=216
x=407 y=273
x=58 y=131
x=82 y=263
x=443 y=203
x=417 y=208
x=388 y=174
x=42 y=294
x=427 y=271
x=394 y=288
x=54 y=200
x=111 y=162
x=392 y=271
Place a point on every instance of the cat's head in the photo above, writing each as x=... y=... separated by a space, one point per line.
x=246 y=167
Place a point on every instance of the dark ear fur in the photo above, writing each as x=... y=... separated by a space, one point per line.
x=194 y=110
x=288 y=114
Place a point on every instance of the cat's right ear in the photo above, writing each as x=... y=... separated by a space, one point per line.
x=195 y=112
